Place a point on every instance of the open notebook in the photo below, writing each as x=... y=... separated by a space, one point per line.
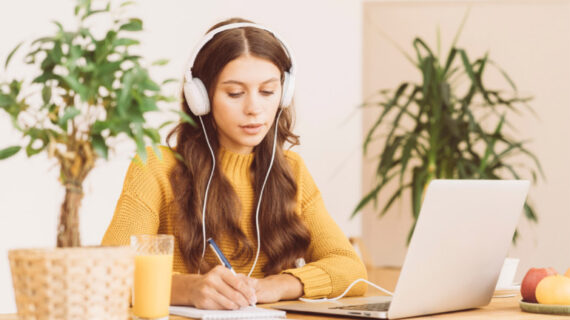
x=243 y=313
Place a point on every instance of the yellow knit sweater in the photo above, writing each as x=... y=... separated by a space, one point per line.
x=146 y=206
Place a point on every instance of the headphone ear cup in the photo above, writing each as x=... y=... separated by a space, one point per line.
x=197 y=97
x=288 y=89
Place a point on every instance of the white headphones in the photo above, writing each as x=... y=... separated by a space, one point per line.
x=195 y=91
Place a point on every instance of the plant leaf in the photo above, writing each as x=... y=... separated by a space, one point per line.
x=160 y=62
x=100 y=147
x=11 y=54
x=134 y=24
x=68 y=114
x=9 y=152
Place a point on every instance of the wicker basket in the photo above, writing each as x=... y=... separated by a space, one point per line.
x=72 y=283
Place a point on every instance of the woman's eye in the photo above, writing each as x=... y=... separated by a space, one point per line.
x=267 y=92
x=235 y=94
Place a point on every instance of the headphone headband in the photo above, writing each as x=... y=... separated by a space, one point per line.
x=208 y=36
x=195 y=91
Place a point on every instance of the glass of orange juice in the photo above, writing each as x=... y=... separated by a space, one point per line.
x=153 y=275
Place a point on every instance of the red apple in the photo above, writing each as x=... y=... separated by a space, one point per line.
x=531 y=280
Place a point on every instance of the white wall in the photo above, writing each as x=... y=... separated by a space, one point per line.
x=531 y=41
x=326 y=37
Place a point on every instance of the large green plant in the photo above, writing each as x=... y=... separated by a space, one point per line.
x=438 y=129
x=88 y=91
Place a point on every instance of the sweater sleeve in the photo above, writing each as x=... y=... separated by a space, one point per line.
x=332 y=263
x=137 y=210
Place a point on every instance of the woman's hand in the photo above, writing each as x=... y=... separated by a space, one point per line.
x=278 y=287
x=217 y=289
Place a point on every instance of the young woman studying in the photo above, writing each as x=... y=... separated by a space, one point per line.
x=234 y=182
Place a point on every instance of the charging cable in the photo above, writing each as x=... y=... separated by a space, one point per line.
x=346 y=291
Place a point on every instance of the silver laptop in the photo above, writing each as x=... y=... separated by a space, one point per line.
x=453 y=262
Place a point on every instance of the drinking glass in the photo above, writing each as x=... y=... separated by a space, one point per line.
x=153 y=275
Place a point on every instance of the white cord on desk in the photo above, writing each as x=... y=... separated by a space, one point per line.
x=346 y=291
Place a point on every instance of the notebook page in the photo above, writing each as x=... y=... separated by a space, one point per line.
x=243 y=313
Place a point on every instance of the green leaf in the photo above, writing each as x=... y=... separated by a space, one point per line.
x=529 y=213
x=148 y=84
x=44 y=77
x=127 y=3
x=134 y=24
x=99 y=126
x=59 y=25
x=184 y=117
x=68 y=114
x=157 y=151
x=42 y=40
x=109 y=67
x=36 y=134
x=152 y=134
x=139 y=140
x=165 y=123
x=8 y=152
x=148 y=105
x=393 y=198
x=11 y=54
x=46 y=94
x=387 y=107
x=125 y=42
x=169 y=81
x=100 y=147
x=5 y=101
x=76 y=86
x=460 y=29
x=93 y=12
x=411 y=232
x=127 y=82
x=160 y=62
x=505 y=75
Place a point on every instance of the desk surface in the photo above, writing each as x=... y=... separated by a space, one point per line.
x=499 y=308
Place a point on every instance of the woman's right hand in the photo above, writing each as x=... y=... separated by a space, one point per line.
x=218 y=289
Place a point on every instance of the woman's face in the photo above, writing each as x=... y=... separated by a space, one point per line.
x=246 y=98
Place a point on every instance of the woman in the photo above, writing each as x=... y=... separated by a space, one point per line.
x=246 y=75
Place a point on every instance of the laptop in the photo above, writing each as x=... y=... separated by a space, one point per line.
x=455 y=255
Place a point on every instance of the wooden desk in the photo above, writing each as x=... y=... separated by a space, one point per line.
x=499 y=308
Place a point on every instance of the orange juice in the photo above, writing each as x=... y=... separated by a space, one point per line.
x=153 y=277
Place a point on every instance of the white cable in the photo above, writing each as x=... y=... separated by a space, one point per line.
x=346 y=291
x=206 y=193
x=261 y=193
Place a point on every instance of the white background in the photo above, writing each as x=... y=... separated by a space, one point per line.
x=326 y=38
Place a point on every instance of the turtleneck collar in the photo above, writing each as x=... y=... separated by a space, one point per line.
x=235 y=165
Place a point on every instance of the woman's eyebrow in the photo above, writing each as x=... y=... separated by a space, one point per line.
x=242 y=83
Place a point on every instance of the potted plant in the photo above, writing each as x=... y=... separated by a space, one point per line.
x=448 y=126
x=89 y=91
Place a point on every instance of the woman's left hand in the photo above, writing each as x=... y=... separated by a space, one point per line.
x=278 y=287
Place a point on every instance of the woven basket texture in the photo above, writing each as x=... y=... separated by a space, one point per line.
x=72 y=283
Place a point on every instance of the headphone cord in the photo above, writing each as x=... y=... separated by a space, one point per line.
x=206 y=193
x=258 y=202
x=261 y=193
x=346 y=291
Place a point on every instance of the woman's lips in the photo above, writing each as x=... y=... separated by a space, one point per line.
x=252 y=129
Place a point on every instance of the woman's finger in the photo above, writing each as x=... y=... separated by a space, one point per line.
x=211 y=299
x=241 y=284
x=226 y=283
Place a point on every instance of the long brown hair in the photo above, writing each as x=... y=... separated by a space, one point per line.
x=285 y=237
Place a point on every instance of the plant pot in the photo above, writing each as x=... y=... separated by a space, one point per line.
x=72 y=283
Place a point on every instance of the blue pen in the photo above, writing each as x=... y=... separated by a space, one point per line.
x=220 y=255
x=222 y=258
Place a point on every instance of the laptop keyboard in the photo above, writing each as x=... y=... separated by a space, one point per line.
x=381 y=306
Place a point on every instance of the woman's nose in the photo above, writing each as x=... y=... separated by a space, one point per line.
x=253 y=104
